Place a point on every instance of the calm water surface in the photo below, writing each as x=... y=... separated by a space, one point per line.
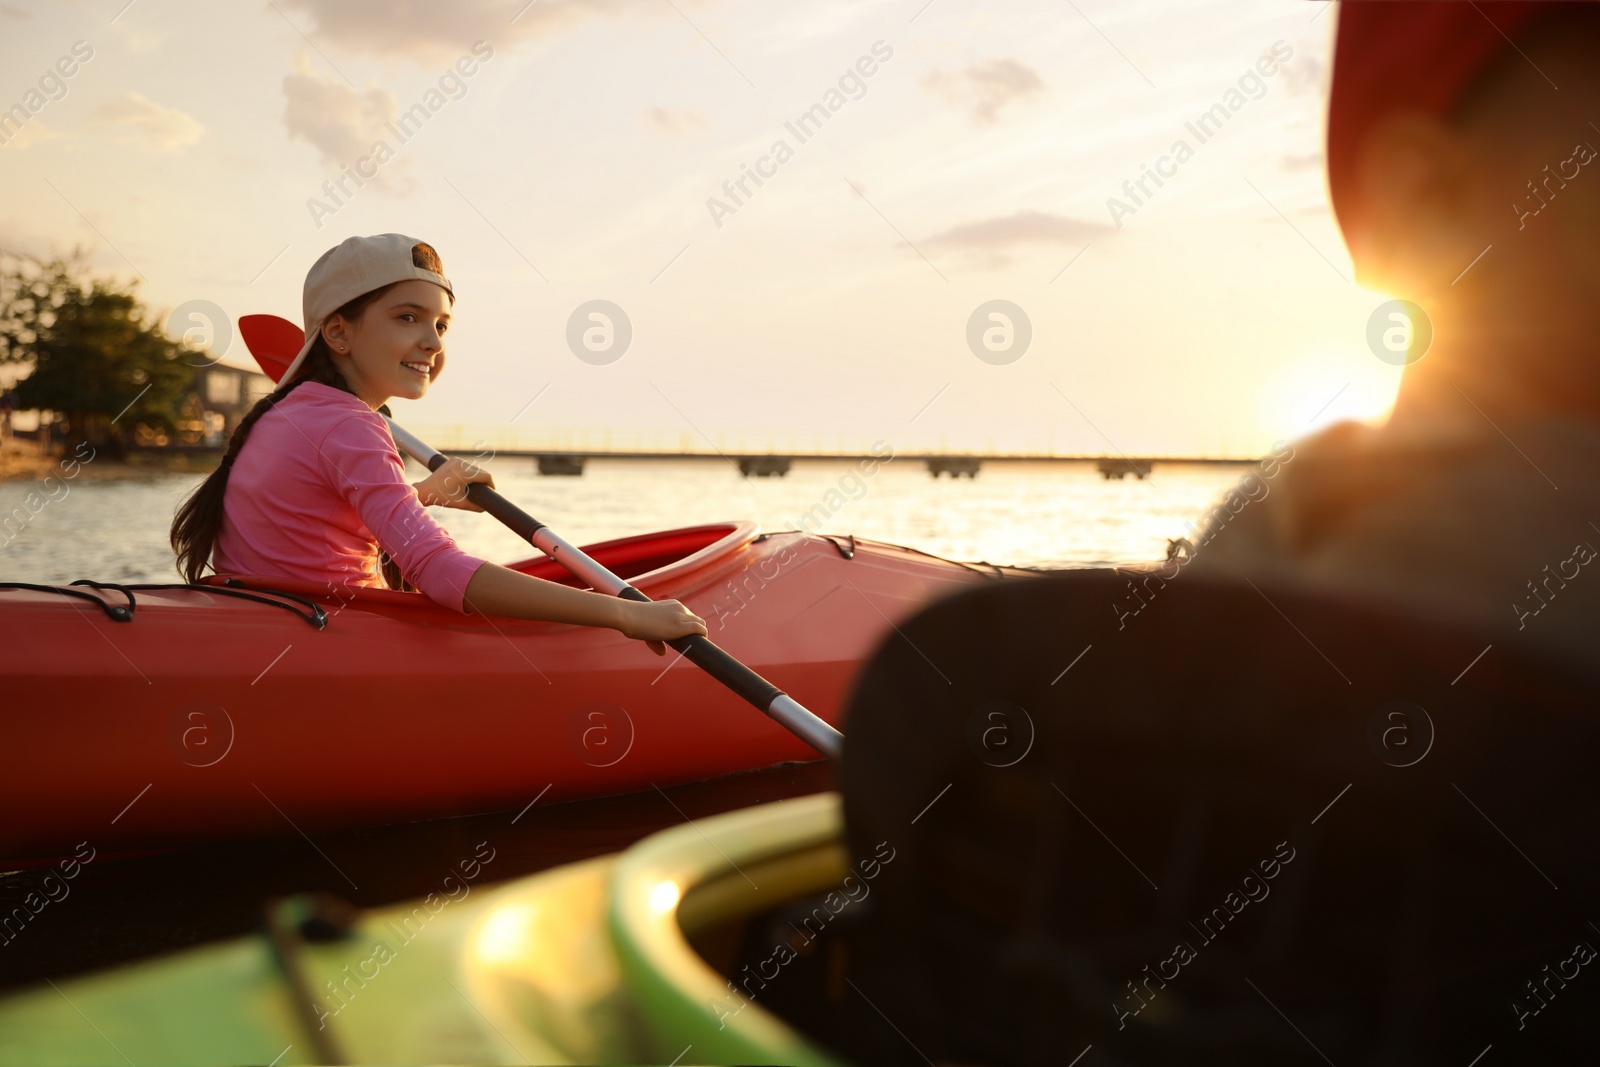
x=1035 y=514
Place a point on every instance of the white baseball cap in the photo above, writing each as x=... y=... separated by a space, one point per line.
x=354 y=267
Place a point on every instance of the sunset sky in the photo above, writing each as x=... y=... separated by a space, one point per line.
x=585 y=156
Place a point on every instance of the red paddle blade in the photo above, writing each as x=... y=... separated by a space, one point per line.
x=273 y=341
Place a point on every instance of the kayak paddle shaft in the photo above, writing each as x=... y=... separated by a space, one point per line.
x=697 y=648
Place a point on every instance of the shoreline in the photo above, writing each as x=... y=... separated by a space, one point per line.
x=23 y=460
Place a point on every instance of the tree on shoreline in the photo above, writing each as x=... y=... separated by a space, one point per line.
x=89 y=354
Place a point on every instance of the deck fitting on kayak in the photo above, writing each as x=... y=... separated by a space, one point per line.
x=847 y=553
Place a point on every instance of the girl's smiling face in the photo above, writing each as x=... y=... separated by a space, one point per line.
x=395 y=348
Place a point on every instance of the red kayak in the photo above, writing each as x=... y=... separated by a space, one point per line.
x=233 y=710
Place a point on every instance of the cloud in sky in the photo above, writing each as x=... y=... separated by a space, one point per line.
x=992 y=244
x=35 y=132
x=1307 y=72
x=676 y=120
x=133 y=119
x=986 y=86
x=342 y=123
x=1025 y=227
x=430 y=32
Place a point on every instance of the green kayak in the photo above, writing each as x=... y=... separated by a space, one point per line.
x=587 y=963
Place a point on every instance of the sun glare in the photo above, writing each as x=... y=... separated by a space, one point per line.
x=1328 y=383
x=664 y=897
x=1339 y=375
x=506 y=934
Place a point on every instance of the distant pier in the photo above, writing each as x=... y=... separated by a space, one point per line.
x=954 y=466
x=1119 y=467
x=764 y=466
x=572 y=463
x=561 y=464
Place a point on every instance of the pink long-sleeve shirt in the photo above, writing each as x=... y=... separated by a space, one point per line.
x=315 y=491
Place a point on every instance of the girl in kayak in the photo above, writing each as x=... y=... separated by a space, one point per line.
x=320 y=493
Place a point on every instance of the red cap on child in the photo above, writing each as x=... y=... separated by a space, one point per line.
x=1407 y=55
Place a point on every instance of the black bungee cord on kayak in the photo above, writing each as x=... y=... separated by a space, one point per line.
x=314 y=613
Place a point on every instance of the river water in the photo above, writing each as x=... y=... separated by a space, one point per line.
x=1048 y=514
